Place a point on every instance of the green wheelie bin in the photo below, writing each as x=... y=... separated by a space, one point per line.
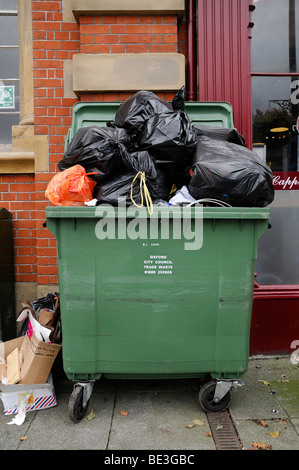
x=167 y=295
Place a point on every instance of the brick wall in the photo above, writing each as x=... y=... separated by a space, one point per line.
x=128 y=34
x=55 y=41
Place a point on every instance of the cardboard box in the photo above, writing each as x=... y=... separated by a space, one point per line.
x=37 y=396
x=37 y=360
x=28 y=360
x=35 y=385
x=36 y=357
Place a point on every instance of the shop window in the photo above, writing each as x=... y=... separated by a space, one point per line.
x=275 y=111
x=275 y=40
x=275 y=115
x=9 y=71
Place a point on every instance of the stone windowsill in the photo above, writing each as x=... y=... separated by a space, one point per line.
x=127 y=7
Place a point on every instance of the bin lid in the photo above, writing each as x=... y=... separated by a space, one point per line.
x=85 y=114
x=210 y=113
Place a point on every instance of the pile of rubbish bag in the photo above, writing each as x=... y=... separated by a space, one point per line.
x=150 y=152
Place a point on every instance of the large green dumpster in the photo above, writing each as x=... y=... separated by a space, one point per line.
x=161 y=296
x=146 y=308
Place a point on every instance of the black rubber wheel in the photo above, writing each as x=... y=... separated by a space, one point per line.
x=75 y=408
x=206 y=395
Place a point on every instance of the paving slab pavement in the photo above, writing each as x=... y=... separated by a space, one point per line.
x=158 y=415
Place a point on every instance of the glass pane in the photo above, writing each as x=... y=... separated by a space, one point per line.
x=275 y=138
x=9 y=33
x=8 y=5
x=6 y=121
x=278 y=248
x=275 y=114
x=275 y=38
x=9 y=60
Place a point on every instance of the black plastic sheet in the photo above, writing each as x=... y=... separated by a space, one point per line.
x=169 y=138
x=49 y=301
x=220 y=133
x=231 y=173
x=179 y=99
x=168 y=135
x=134 y=112
x=127 y=183
x=97 y=150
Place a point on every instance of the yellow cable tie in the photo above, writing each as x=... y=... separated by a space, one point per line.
x=143 y=189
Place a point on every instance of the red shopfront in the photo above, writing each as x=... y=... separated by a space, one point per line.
x=247 y=53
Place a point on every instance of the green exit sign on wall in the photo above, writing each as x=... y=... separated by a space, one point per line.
x=7 y=97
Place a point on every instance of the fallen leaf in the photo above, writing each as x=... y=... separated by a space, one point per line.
x=91 y=415
x=260 y=445
x=23 y=438
x=274 y=434
x=209 y=434
x=124 y=413
x=262 y=422
x=199 y=422
x=265 y=382
x=189 y=426
x=219 y=426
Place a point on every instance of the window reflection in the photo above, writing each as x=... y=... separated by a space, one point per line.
x=9 y=33
x=275 y=131
x=8 y=5
x=275 y=44
x=275 y=100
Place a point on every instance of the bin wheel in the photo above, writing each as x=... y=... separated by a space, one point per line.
x=76 y=409
x=206 y=396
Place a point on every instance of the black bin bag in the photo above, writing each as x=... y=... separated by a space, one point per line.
x=97 y=150
x=133 y=113
x=221 y=133
x=161 y=128
x=168 y=135
x=129 y=183
x=231 y=173
x=169 y=138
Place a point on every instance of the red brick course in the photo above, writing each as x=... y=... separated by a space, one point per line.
x=54 y=42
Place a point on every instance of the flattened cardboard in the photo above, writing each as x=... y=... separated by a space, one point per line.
x=8 y=346
x=2 y=372
x=13 y=370
x=38 y=358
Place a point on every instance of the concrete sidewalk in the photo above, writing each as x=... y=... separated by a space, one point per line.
x=158 y=412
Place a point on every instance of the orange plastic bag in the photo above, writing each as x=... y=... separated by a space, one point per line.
x=71 y=187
